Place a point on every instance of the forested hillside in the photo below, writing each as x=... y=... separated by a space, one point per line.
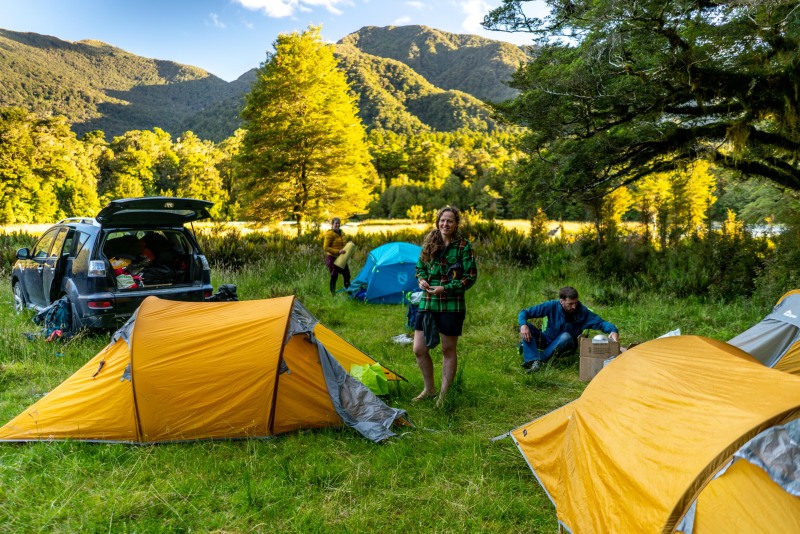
x=219 y=120
x=395 y=97
x=99 y=87
x=468 y=63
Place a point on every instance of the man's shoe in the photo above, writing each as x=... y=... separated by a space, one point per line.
x=531 y=366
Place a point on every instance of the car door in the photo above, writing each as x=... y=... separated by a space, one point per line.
x=33 y=268
x=53 y=269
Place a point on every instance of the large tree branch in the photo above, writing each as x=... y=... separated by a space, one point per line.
x=776 y=170
x=773 y=140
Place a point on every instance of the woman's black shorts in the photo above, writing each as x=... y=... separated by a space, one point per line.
x=448 y=323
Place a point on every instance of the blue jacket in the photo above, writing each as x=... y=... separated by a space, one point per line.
x=557 y=322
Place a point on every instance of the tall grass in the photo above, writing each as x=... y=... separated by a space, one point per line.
x=444 y=474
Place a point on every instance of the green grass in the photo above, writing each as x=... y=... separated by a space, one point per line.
x=444 y=474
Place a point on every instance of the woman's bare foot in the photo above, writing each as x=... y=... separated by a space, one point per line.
x=424 y=396
x=440 y=400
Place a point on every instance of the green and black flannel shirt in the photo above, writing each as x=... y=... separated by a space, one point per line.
x=454 y=269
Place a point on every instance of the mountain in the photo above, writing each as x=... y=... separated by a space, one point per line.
x=468 y=63
x=98 y=86
x=220 y=119
x=408 y=79
x=395 y=97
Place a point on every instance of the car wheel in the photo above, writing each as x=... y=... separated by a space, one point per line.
x=19 y=298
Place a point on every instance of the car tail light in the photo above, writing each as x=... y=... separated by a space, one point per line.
x=207 y=294
x=100 y=305
x=97 y=268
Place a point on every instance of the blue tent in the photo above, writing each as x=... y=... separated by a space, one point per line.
x=387 y=275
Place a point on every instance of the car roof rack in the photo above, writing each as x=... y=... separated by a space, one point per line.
x=79 y=220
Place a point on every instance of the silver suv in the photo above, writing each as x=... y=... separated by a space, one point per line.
x=106 y=266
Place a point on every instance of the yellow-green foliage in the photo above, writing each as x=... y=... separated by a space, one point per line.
x=415 y=213
x=676 y=203
x=304 y=154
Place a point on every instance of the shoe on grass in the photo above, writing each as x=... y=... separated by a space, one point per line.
x=531 y=366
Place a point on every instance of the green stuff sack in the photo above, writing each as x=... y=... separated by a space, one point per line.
x=371 y=376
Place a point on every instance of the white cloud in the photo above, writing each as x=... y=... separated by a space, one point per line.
x=287 y=8
x=474 y=11
x=416 y=5
x=402 y=21
x=215 y=21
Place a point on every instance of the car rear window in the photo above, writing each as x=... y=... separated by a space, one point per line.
x=133 y=243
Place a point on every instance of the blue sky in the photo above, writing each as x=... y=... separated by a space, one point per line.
x=229 y=37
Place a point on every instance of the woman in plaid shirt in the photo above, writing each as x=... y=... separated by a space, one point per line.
x=446 y=269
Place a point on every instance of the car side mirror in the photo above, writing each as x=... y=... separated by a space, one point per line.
x=23 y=254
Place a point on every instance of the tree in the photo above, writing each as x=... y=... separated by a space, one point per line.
x=45 y=172
x=415 y=213
x=304 y=152
x=428 y=162
x=20 y=187
x=144 y=164
x=678 y=202
x=756 y=201
x=66 y=167
x=389 y=156
x=197 y=173
x=228 y=171
x=619 y=90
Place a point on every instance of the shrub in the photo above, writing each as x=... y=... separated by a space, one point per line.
x=716 y=265
x=9 y=244
x=780 y=273
x=624 y=260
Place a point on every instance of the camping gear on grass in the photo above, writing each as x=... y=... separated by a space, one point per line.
x=775 y=340
x=389 y=272
x=346 y=354
x=677 y=434
x=225 y=293
x=371 y=376
x=56 y=320
x=185 y=371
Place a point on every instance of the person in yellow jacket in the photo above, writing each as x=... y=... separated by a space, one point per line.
x=334 y=246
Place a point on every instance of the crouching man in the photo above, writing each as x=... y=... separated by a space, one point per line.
x=566 y=318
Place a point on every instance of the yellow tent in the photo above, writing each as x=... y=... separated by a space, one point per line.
x=345 y=353
x=210 y=370
x=679 y=434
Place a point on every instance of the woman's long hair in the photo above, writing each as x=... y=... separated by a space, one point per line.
x=433 y=242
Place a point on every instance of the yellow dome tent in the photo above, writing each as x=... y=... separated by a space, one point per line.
x=181 y=371
x=679 y=434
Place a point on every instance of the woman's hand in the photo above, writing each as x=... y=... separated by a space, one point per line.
x=342 y=251
x=424 y=285
x=436 y=290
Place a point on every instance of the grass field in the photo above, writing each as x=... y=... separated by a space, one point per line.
x=374 y=226
x=442 y=475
